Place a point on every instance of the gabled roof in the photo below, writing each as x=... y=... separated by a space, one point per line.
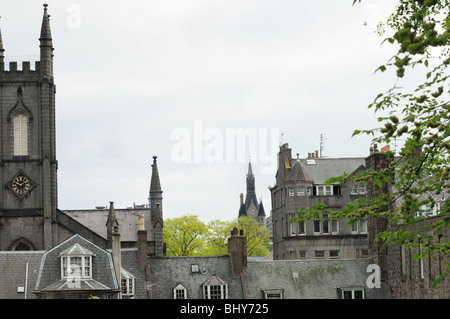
x=76 y=249
x=215 y=281
x=320 y=170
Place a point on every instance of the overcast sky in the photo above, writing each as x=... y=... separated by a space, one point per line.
x=177 y=78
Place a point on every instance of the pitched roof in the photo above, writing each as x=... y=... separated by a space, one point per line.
x=297 y=173
x=319 y=170
x=76 y=249
x=95 y=219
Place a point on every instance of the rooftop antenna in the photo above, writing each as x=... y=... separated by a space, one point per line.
x=322 y=142
x=281 y=138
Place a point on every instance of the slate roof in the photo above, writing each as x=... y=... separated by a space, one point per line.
x=103 y=275
x=95 y=220
x=320 y=170
x=13 y=266
x=298 y=279
x=309 y=279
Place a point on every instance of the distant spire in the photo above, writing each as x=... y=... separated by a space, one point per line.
x=250 y=171
x=2 y=57
x=155 y=185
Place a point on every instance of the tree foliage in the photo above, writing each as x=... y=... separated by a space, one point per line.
x=187 y=235
x=420 y=172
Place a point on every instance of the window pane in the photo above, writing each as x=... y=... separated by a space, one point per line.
x=317 y=226
x=301 y=228
x=363 y=225
x=334 y=226
x=325 y=224
x=215 y=292
x=358 y=294
x=319 y=253
x=87 y=266
x=64 y=267
x=320 y=190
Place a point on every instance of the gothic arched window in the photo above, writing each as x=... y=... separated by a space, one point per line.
x=20 y=135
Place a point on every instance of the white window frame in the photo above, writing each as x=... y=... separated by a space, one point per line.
x=301 y=191
x=302 y=228
x=334 y=226
x=363 y=226
x=273 y=293
x=291 y=191
x=324 y=190
x=358 y=189
x=179 y=292
x=70 y=269
x=326 y=225
x=352 y=292
x=360 y=226
x=292 y=226
x=317 y=222
x=215 y=291
x=128 y=283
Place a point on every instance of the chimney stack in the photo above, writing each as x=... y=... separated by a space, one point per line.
x=237 y=248
x=142 y=243
x=116 y=253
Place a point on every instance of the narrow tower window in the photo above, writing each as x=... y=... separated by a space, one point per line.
x=20 y=135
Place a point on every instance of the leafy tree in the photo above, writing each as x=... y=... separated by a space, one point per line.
x=189 y=236
x=184 y=235
x=258 y=238
x=420 y=171
x=217 y=239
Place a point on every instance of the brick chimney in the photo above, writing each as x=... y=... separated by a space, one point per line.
x=142 y=243
x=237 y=248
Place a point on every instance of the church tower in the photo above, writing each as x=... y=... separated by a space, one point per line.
x=250 y=207
x=28 y=165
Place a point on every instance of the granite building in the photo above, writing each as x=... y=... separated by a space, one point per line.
x=301 y=182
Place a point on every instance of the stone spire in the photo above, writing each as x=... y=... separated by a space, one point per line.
x=46 y=45
x=155 y=193
x=155 y=185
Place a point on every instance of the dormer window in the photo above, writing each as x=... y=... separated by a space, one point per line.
x=76 y=262
x=215 y=288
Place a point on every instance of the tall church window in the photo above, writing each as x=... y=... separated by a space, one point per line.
x=20 y=135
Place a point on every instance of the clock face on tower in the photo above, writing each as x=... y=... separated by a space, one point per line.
x=21 y=185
